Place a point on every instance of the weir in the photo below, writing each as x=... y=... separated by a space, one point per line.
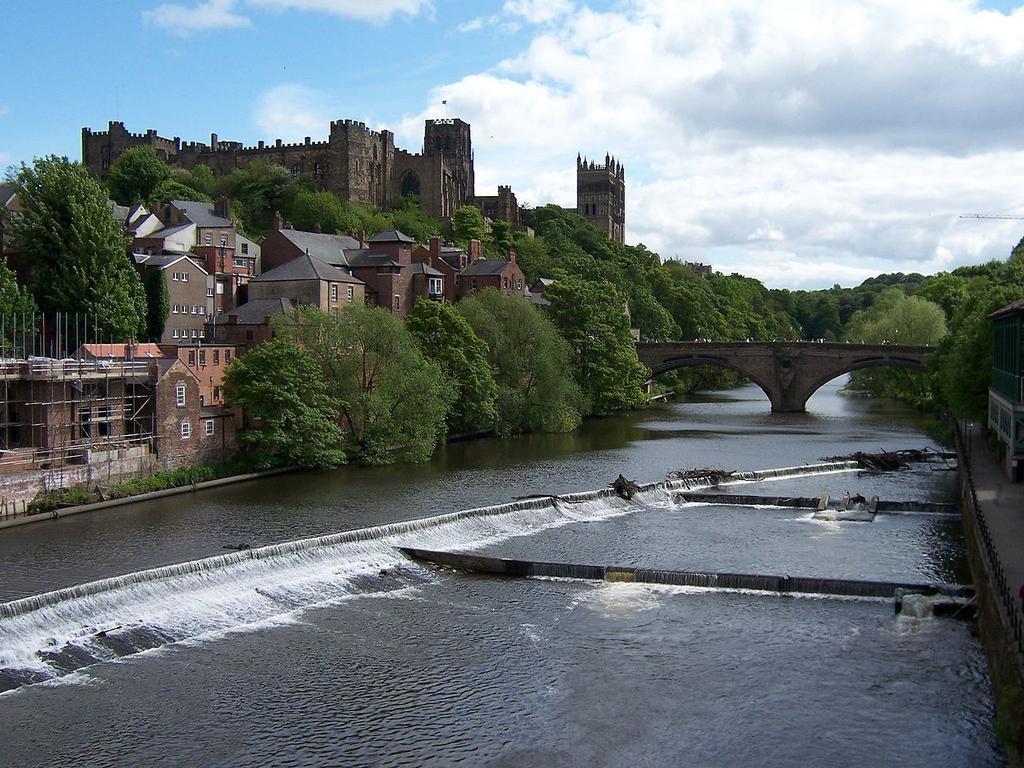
x=880 y=506
x=498 y=566
x=49 y=634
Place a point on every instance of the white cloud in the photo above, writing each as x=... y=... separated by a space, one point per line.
x=364 y=10
x=538 y=11
x=810 y=141
x=183 y=20
x=291 y=112
x=221 y=14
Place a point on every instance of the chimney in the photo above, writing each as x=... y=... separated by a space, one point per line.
x=435 y=250
x=474 y=251
x=278 y=221
x=362 y=237
x=129 y=349
x=512 y=255
x=317 y=228
x=222 y=208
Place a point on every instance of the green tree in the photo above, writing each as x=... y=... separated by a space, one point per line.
x=393 y=403
x=947 y=290
x=410 y=218
x=321 y=209
x=469 y=224
x=591 y=316
x=530 y=361
x=172 y=189
x=78 y=251
x=14 y=298
x=260 y=189
x=158 y=303
x=284 y=395
x=135 y=174
x=444 y=336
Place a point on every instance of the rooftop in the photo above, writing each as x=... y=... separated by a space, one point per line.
x=307 y=267
x=486 y=267
x=200 y=214
x=391 y=236
x=1009 y=309
x=256 y=312
x=329 y=248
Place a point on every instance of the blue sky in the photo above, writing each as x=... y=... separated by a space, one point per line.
x=803 y=142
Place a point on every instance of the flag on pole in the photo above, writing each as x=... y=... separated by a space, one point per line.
x=444 y=101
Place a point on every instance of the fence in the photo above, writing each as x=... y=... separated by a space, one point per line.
x=1003 y=591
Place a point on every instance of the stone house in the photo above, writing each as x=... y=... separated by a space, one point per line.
x=447 y=260
x=283 y=245
x=188 y=289
x=308 y=280
x=207 y=363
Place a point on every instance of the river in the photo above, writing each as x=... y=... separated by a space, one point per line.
x=341 y=652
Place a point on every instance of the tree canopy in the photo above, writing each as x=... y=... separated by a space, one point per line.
x=135 y=174
x=444 y=336
x=78 y=251
x=284 y=395
x=530 y=361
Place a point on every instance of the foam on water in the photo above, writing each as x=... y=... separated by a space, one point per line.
x=58 y=633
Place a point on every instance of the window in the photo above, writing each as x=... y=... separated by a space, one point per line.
x=351 y=293
x=174 y=276
x=223 y=241
x=216 y=357
x=184 y=277
x=318 y=169
x=248 y=335
x=202 y=399
x=202 y=333
x=334 y=291
x=186 y=430
x=209 y=427
x=175 y=333
x=398 y=302
x=504 y=282
x=195 y=333
x=202 y=357
x=216 y=394
x=208 y=239
x=209 y=291
x=436 y=286
x=180 y=396
x=519 y=285
x=105 y=413
x=238 y=263
x=296 y=169
x=220 y=289
x=227 y=356
x=245 y=248
x=472 y=283
x=85 y=422
x=174 y=309
x=195 y=310
x=191 y=357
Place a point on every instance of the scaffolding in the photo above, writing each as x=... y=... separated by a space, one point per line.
x=62 y=408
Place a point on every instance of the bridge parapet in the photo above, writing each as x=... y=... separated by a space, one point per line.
x=789 y=372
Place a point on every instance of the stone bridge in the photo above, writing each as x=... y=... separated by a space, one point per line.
x=789 y=372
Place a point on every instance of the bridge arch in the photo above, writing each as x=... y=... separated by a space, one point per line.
x=690 y=361
x=788 y=372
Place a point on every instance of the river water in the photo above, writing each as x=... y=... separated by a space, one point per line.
x=339 y=651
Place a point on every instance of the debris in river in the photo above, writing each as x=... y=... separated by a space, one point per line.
x=236 y=546
x=714 y=476
x=624 y=488
x=888 y=461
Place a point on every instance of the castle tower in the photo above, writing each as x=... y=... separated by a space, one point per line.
x=601 y=195
x=450 y=139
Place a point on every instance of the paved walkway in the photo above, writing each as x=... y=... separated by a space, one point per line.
x=1002 y=504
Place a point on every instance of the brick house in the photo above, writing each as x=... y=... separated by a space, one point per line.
x=208 y=363
x=385 y=266
x=447 y=260
x=248 y=325
x=188 y=288
x=308 y=280
x=505 y=275
x=185 y=432
x=283 y=245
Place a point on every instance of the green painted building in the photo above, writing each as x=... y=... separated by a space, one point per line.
x=1006 y=393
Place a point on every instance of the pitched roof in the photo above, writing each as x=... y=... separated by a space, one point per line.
x=329 y=248
x=420 y=268
x=486 y=267
x=545 y=281
x=165 y=260
x=307 y=267
x=7 y=193
x=369 y=259
x=255 y=312
x=167 y=231
x=1009 y=309
x=119 y=212
x=538 y=299
x=117 y=351
x=390 y=236
x=200 y=214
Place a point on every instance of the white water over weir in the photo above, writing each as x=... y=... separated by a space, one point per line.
x=53 y=633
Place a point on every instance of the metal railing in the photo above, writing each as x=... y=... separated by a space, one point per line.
x=1004 y=591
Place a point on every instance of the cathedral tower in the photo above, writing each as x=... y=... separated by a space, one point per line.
x=601 y=195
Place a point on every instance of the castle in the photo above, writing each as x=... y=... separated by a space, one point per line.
x=601 y=196
x=355 y=162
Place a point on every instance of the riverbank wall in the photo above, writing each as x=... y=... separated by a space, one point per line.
x=998 y=609
x=55 y=514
